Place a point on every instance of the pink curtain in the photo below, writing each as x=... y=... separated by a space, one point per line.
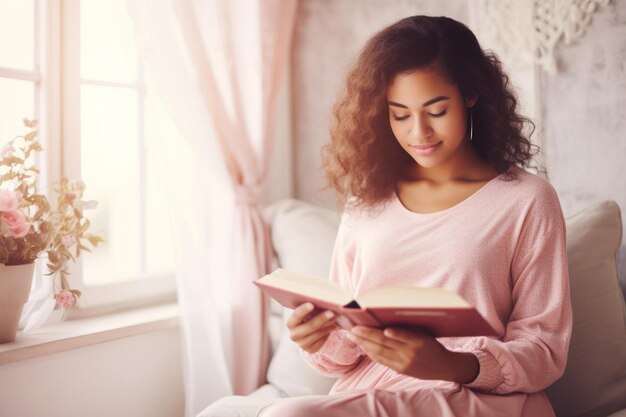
x=221 y=63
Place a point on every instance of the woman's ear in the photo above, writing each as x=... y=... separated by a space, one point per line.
x=470 y=101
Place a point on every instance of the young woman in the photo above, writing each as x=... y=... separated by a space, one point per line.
x=427 y=152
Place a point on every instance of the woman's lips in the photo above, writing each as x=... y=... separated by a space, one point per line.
x=425 y=150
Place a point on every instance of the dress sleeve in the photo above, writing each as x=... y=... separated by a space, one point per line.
x=533 y=351
x=338 y=355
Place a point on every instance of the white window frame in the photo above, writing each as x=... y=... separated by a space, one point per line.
x=46 y=78
x=64 y=160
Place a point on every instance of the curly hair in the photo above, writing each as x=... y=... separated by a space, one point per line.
x=363 y=161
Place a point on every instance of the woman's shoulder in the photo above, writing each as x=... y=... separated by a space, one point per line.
x=526 y=183
x=531 y=191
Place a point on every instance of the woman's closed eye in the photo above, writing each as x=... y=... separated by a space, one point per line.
x=440 y=114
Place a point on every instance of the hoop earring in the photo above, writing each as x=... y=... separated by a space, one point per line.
x=471 y=126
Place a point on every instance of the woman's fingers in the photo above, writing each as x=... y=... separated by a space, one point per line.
x=375 y=350
x=413 y=336
x=312 y=325
x=376 y=336
x=309 y=330
x=299 y=314
x=312 y=339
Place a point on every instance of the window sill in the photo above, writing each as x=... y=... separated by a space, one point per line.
x=78 y=333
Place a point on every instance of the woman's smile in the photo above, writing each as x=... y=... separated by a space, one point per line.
x=425 y=150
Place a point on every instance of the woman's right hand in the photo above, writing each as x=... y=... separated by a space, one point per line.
x=309 y=329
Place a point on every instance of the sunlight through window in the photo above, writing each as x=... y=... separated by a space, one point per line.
x=116 y=136
x=17 y=34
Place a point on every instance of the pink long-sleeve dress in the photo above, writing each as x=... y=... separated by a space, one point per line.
x=503 y=249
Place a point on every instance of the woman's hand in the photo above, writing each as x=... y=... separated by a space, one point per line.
x=415 y=354
x=308 y=329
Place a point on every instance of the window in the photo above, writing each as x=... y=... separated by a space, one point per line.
x=19 y=66
x=84 y=81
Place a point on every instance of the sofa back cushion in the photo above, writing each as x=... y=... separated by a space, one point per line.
x=594 y=382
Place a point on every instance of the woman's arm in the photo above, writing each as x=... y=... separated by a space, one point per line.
x=533 y=351
x=338 y=355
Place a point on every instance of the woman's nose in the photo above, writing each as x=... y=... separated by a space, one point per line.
x=420 y=129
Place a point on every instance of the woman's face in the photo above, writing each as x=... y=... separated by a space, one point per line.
x=428 y=117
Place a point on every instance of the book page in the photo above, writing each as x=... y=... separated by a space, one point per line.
x=307 y=285
x=411 y=297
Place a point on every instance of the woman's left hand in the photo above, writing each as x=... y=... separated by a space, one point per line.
x=415 y=354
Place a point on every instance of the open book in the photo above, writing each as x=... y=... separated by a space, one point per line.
x=438 y=311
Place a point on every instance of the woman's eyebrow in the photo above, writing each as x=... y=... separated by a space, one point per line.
x=427 y=103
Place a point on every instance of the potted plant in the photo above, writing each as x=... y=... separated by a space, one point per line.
x=31 y=228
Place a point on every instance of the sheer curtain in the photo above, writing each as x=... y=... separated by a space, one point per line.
x=217 y=67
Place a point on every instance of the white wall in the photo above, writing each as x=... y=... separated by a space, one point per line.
x=131 y=377
x=584 y=112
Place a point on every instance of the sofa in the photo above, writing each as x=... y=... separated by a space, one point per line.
x=594 y=382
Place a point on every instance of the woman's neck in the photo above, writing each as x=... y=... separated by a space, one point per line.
x=465 y=166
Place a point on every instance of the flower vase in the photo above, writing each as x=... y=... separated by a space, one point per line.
x=15 y=282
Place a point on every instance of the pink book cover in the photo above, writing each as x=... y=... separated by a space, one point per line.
x=440 y=322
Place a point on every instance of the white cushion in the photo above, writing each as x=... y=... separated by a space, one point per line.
x=243 y=406
x=594 y=383
x=303 y=236
x=238 y=406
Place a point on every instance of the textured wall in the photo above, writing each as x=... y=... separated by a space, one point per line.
x=584 y=105
x=584 y=112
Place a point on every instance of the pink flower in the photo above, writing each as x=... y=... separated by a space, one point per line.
x=29 y=123
x=65 y=299
x=15 y=221
x=8 y=200
x=12 y=218
x=7 y=150
x=70 y=197
x=20 y=230
x=67 y=240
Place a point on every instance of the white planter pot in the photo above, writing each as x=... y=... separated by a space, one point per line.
x=15 y=282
